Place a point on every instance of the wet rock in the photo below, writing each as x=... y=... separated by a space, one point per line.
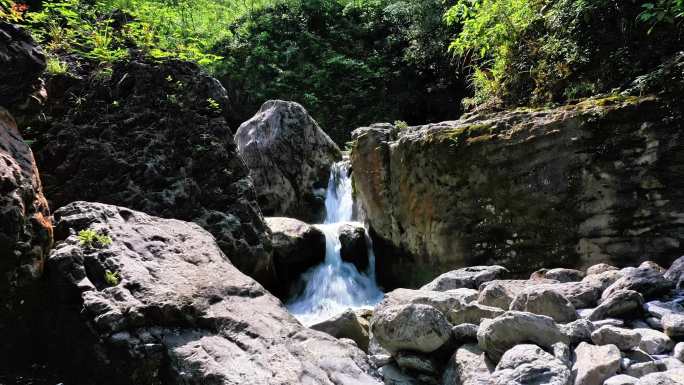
x=350 y=324
x=594 y=364
x=415 y=327
x=647 y=281
x=529 y=364
x=22 y=61
x=469 y=365
x=289 y=158
x=147 y=138
x=473 y=313
x=546 y=302
x=172 y=309
x=468 y=277
x=653 y=341
x=560 y=275
x=297 y=247
x=673 y=324
x=353 y=245
x=496 y=336
x=624 y=339
x=619 y=304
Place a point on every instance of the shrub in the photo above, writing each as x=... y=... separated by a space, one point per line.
x=112 y=278
x=93 y=239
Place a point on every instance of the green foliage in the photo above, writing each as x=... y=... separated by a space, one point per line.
x=112 y=278
x=90 y=238
x=213 y=105
x=55 y=66
x=662 y=11
x=400 y=124
x=10 y=11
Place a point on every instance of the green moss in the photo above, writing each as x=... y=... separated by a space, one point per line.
x=468 y=133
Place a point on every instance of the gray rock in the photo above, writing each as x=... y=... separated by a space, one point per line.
x=562 y=352
x=637 y=355
x=416 y=327
x=473 y=313
x=678 y=351
x=350 y=324
x=675 y=273
x=468 y=277
x=496 y=336
x=654 y=323
x=647 y=281
x=609 y=322
x=578 y=331
x=560 y=275
x=289 y=159
x=22 y=61
x=619 y=304
x=392 y=375
x=444 y=301
x=465 y=333
x=600 y=268
x=297 y=247
x=529 y=364
x=670 y=363
x=624 y=339
x=654 y=342
x=174 y=308
x=595 y=364
x=353 y=246
x=673 y=324
x=641 y=369
x=500 y=293
x=670 y=377
x=416 y=363
x=545 y=301
x=469 y=365
x=659 y=308
x=621 y=379
x=601 y=281
x=652 y=265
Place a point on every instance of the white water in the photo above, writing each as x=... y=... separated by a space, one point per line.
x=335 y=286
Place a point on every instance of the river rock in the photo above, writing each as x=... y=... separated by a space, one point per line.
x=289 y=158
x=473 y=313
x=560 y=275
x=162 y=149
x=594 y=364
x=469 y=365
x=416 y=327
x=500 y=293
x=621 y=379
x=496 y=336
x=529 y=364
x=647 y=281
x=620 y=304
x=297 y=247
x=350 y=324
x=600 y=268
x=673 y=324
x=468 y=277
x=670 y=377
x=172 y=309
x=578 y=331
x=22 y=62
x=353 y=245
x=675 y=273
x=546 y=302
x=653 y=341
x=624 y=339
x=443 y=301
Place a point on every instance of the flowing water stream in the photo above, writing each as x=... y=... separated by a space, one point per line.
x=335 y=285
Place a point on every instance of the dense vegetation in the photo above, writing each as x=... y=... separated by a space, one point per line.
x=353 y=62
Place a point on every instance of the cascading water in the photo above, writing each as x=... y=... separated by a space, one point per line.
x=335 y=285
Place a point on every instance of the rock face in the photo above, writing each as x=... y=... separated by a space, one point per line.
x=148 y=138
x=289 y=158
x=162 y=304
x=22 y=61
x=522 y=188
x=297 y=247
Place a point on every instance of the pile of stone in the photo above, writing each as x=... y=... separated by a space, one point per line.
x=472 y=326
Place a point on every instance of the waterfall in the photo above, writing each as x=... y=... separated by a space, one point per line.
x=335 y=285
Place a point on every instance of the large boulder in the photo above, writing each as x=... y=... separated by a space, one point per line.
x=444 y=301
x=645 y=280
x=525 y=187
x=297 y=247
x=497 y=335
x=501 y=293
x=155 y=301
x=545 y=301
x=529 y=364
x=289 y=158
x=153 y=137
x=350 y=324
x=353 y=245
x=468 y=277
x=22 y=61
x=619 y=304
x=415 y=327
